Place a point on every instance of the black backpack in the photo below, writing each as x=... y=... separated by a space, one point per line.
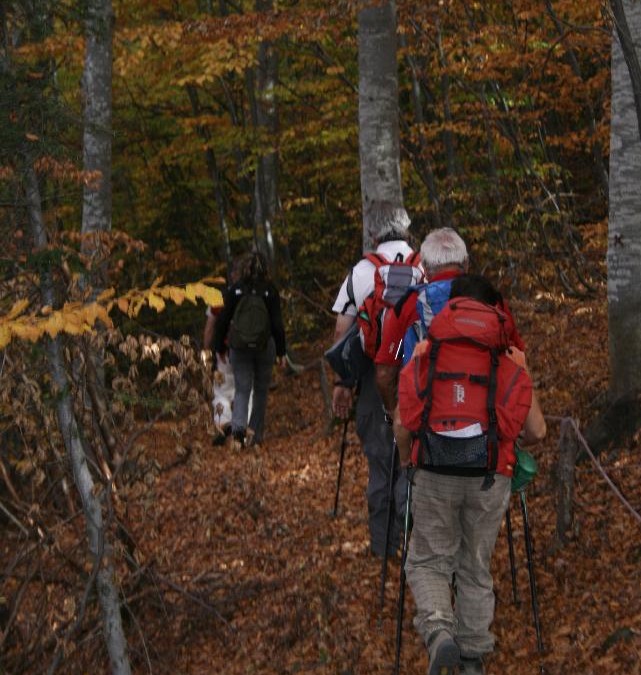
x=250 y=325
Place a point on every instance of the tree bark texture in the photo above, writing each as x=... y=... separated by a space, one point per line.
x=98 y=546
x=378 y=116
x=267 y=120
x=96 y=82
x=624 y=231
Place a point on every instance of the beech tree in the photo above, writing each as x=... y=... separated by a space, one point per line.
x=624 y=231
x=379 y=147
x=266 y=119
x=96 y=86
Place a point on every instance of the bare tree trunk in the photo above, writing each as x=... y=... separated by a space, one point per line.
x=97 y=76
x=97 y=198
x=99 y=547
x=624 y=229
x=378 y=118
x=627 y=35
x=267 y=120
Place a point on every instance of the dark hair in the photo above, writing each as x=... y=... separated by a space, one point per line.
x=478 y=287
x=253 y=267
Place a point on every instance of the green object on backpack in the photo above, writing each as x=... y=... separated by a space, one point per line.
x=524 y=471
x=251 y=325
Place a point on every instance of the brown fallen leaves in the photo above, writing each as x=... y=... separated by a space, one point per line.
x=252 y=574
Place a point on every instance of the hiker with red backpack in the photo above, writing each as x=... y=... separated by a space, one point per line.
x=250 y=329
x=464 y=399
x=362 y=294
x=443 y=257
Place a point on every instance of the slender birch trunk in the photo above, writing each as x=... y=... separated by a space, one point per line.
x=99 y=546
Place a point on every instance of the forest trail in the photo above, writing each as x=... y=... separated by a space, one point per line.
x=254 y=575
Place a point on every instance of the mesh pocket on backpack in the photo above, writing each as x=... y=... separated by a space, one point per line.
x=443 y=450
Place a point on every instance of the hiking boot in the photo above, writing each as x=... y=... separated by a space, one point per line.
x=472 y=665
x=250 y=440
x=444 y=654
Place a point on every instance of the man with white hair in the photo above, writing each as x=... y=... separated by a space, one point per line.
x=443 y=257
x=387 y=225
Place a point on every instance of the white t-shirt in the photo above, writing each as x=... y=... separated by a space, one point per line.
x=363 y=277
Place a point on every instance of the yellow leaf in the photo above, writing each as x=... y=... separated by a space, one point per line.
x=54 y=324
x=107 y=294
x=156 y=302
x=102 y=313
x=212 y=296
x=123 y=305
x=26 y=331
x=219 y=281
x=177 y=295
x=74 y=324
x=5 y=335
x=17 y=309
x=135 y=307
x=192 y=291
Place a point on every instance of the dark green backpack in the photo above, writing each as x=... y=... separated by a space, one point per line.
x=250 y=326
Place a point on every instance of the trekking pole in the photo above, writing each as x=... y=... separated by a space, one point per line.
x=524 y=472
x=340 y=467
x=401 y=591
x=530 y=567
x=510 y=543
x=388 y=526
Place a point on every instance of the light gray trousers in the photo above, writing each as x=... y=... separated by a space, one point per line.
x=455 y=525
x=252 y=370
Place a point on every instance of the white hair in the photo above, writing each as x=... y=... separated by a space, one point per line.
x=384 y=220
x=443 y=248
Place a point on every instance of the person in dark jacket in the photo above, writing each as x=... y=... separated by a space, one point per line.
x=252 y=366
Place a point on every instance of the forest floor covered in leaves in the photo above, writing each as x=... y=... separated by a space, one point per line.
x=267 y=581
x=243 y=569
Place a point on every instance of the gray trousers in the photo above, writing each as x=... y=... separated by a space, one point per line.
x=455 y=525
x=252 y=370
x=377 y=439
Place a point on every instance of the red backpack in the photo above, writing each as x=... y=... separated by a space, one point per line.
x=463 y=397
x=391 y=281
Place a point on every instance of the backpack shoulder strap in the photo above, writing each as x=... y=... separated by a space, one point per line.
x=493 y=423
x=351 y=299
x=377 y=259
x=398 y=307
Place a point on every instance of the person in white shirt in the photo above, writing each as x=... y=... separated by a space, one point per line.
x=387 y=226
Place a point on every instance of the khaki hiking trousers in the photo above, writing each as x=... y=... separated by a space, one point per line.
x=455 y=525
